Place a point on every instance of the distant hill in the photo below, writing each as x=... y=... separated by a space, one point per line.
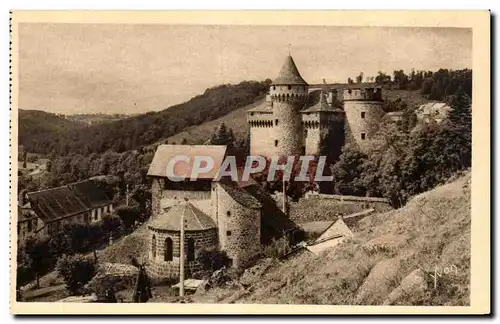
x=94 y=119
x=36 y=125
x=61 y=136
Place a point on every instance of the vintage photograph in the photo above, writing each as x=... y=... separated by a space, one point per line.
x=282 y=164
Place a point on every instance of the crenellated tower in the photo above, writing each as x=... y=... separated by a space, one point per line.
x=363 y=109
x=288 y=94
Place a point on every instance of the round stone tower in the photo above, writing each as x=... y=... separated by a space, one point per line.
x=363 y=111
x=288 y=94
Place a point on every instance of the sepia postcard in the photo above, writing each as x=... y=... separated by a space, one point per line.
x=250 y=162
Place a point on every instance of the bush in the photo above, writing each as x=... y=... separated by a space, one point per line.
x=76 y=271
x=212 y=259
x=277 y=248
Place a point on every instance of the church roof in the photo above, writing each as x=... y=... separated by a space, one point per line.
x=289 y=74
x=164 y=153
x=317 y=103
x=194 y=219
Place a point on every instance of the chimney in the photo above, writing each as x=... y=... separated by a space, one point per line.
x=331 y=97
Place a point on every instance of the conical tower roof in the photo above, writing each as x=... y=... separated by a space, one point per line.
x=289 y=74
x=194 y=219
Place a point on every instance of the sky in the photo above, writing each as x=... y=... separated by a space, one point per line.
x=127 y=68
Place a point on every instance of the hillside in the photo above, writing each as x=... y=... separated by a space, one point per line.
x=200 y=133
x=391 y=260
x=35 y=125
x=134 y=132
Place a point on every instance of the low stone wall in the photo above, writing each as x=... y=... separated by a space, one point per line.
x=309 y=195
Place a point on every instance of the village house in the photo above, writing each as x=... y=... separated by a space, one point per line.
x=233 y=216
x=76 y=203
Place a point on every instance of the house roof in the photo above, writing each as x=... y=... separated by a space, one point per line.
x=289 y=74
x=165 y=153
x=194 y=219
x=65 y=201
x=433 y=108
x=317 y=103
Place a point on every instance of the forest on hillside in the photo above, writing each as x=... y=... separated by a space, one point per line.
x=50 y=134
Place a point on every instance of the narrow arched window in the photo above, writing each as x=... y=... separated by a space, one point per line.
x=190 y=249
x=169 y=249
x=153 y=246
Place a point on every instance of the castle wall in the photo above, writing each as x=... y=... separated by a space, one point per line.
x=319 y=127
x=239 y=231
x=156 y=195
x=170 y=269
x=312 y=138
x=363 y=118
x=262 y=135
x=287 y=102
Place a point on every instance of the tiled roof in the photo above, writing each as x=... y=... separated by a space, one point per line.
x=289 y=74
x=65 y=201
x=240 y=195
x=165 y=153
x=264 y=107
x=317 y=103
x=194 y=219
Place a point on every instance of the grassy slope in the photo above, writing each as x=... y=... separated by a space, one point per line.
x=200 y=133
x=431 y=231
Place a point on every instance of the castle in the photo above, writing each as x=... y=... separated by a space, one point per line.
x=301 y=119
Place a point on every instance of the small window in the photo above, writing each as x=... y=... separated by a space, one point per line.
x=190 y=249
x=251 y=114
x=276 y=143
x=289 y=87
x=228 y=213
x=169 y=250
x=228 y=233
x=213 y=189
x=274 y=87
x=305 y=132
x=363 y=136
x=153 y=246
x=363 y=114
x=276 y=122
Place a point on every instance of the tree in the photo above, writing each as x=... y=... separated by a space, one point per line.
x=347 y=172
x=76 y=271
x=350 y=81
x=359 y=77
x=457 y=132
x=222 y=136
x=212 y=259
x=128 y=215
x=39 y=256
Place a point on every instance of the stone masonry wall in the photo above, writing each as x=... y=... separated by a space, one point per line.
x=262 y=140
x=239 y=231
x=170 y=269
x=288 y=130
x=156 y=188
x=359 y=125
